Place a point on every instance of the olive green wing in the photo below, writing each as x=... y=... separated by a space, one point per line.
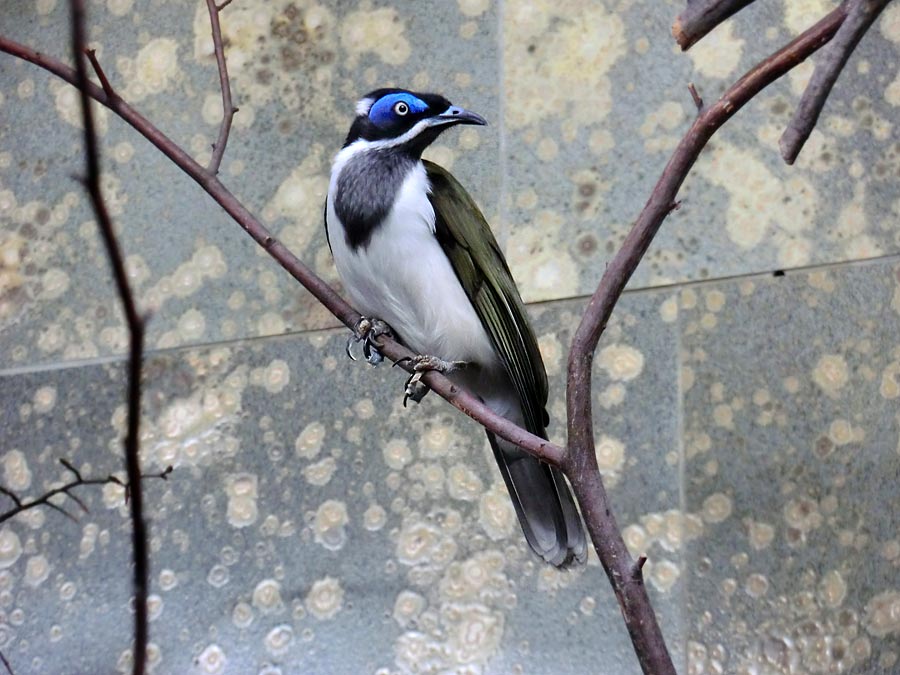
x=467 y=240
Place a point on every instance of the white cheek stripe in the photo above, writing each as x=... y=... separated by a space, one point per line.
x=417 y=129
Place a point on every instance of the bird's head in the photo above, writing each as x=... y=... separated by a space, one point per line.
x=405 y=119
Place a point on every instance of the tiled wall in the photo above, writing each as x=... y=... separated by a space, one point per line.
x=748 y=423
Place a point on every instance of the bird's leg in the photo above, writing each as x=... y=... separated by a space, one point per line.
x=415 y=389
x=367 y=331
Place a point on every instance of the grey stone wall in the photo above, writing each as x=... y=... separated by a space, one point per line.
x=748 y=423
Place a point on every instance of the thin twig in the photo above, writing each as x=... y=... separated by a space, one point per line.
x=66 y=490
x=136 y=330
x=12 y=495
x=6 y=664
x=637 y=570
x=860 y=15
x=581 y=465
x=701 y=16
x=696 y=96
x=228 y=109
x=95 y=64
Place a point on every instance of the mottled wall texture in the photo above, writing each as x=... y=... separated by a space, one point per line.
x=748 y=423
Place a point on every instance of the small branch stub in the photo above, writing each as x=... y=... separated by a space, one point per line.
x=638 y=569
x=694 y=95
x=95 y=64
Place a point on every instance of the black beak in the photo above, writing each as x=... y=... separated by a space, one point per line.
x=456 y=115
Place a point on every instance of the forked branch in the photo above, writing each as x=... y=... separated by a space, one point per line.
x=228 y=109
x=860 y=16
x=702 y=16
x=67 y=490
x=581 y=462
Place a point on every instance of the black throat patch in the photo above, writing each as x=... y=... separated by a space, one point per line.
x=366 y=190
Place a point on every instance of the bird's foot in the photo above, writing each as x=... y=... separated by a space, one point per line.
x=415 y=389
x=367 y=331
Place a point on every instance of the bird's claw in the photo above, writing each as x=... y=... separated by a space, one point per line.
x=415 y=389
x=367 y=331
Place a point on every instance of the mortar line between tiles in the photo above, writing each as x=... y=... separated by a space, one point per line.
x=675 y=285
x=116 y=358
x=159 y=351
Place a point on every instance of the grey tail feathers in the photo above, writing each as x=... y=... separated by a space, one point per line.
x=543 y=504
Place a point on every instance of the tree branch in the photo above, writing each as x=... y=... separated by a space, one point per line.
x=6 y=664
x=860 y=16
x=66 y=490
x=228 y=109
x=135 y=328
x=700 y=17
x=698 y=101
x=95 y=64
x=459 y=398
x=581 y=463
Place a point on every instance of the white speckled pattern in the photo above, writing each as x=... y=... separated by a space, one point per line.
x=747 y=426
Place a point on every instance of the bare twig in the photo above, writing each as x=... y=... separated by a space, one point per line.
x=581 y=462
x=228 y=109
x=698 y=102
x=6 y=664
x=860 y=15
x=638 y=565
x=701 y=16
x=66 y=490
x=12 y=495
x=95 y=64
x=136 y=330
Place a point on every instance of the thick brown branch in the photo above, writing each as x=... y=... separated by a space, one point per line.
x=136 y=330
x=701 y=16
x=463 y=400
x=581 y=465
x=228 y=109
x=860 y=16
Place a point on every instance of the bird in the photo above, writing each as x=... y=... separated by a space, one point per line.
x=417 y=258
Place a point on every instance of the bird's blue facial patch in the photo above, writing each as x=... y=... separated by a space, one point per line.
x=393 y=108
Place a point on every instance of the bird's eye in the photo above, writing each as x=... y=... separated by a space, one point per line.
x=401 y=108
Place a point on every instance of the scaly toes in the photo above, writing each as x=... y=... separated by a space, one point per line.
x=367 y=331
x=415 y=389
x=424 y=363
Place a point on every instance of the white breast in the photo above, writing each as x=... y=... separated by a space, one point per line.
x=403 y=277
